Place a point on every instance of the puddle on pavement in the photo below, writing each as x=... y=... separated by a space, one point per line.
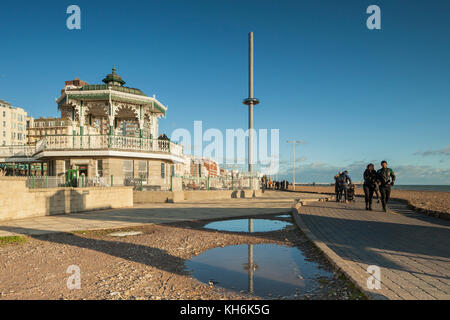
x=248 y=225
x=277 y=271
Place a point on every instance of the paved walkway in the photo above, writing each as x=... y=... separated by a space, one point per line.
x=270 y=202
x=411 y=249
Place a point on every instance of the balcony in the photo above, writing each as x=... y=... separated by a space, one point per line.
x=89 y=143
x=107 y=142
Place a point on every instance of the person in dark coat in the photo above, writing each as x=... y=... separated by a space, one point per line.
x=386 y=180
x=370 y=182
x=344 y=180
x=336 y=186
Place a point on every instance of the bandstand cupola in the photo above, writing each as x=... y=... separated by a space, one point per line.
x=114 y=79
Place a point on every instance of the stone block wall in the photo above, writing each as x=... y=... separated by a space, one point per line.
x=19 y=202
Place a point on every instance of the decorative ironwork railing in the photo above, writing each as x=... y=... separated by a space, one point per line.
x=107 y=142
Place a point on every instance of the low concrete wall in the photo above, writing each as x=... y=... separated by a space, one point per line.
x=157 y=196
x=19 y=202
x=177 y=196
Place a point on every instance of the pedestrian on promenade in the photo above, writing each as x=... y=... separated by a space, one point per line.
x=370 y=182
x=336 y=186
x=344 y=180
x=386 y=179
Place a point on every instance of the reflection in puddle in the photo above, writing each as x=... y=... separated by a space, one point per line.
x=264 y=270
x=242 y=225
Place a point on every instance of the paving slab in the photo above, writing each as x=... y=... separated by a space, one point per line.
x=412 y=250
x=269 y=202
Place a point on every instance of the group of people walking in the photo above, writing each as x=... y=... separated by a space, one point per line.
x=267 y=183
x=379 y=182
x=342 y=184
x=383 y=180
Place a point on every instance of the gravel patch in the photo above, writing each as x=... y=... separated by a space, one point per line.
x=148 y=265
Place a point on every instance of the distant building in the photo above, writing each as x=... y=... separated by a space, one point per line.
x=42 y=127
x=212 y=167
x=200 y=167
x=13 y=125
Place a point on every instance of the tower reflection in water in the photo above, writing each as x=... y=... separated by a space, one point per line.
x=251 y=266
x=278 y=270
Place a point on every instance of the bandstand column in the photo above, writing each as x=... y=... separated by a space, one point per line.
x=81 y=119
x=111 y=122
x=111 y=129
x=141 y=123
x=81 y=113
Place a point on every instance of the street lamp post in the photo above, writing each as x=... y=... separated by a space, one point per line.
x=293 y=161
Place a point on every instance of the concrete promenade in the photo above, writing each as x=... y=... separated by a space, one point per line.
x=411 y=249
x=270 y=202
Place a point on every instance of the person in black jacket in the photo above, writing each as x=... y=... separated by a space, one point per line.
x=336 y=186
x=370 y=182
x=385 y=179
x=344 y=181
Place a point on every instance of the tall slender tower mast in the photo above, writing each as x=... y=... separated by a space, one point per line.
x=251 y=101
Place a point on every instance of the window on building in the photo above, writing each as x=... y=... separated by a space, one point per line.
x=19 y=136
x=143 y=170
x=128 y=169
x=4 y=123
x=4 y=133
x=172 y=173
x=100 y=168
x=163 y=170
x=4 y=143
x=4 y=113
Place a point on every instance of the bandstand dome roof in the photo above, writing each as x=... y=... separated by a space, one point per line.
x=113 y=88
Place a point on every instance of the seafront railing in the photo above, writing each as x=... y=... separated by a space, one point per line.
x=221 y=183
x=172 y=183
x=110 y=142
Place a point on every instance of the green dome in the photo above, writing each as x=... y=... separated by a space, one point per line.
x=114 y=79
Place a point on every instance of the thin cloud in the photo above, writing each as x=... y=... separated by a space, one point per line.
x=441 y=152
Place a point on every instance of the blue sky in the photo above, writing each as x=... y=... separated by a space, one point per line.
x=353 y=95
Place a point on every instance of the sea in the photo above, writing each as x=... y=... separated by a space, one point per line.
x=445 y=188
